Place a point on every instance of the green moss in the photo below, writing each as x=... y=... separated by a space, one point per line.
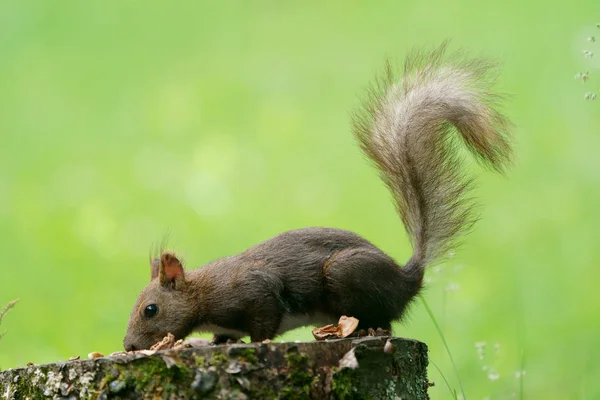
x=199 y=360
x=219 y=358
x=249 y=355
x=264 y=392
x=342 y=384
x=296 y=359
x=148 y=371
x=292 y=393
x=300 y=377
x=300 y=372
x=108 y=378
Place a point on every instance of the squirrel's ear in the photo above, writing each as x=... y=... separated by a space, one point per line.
x=170 y=270
x=154 y=267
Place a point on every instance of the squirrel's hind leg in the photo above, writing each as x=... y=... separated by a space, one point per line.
x=365 y=283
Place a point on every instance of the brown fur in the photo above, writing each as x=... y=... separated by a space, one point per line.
x=315 y=275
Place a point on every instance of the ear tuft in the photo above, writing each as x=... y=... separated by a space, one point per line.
x=154 y=268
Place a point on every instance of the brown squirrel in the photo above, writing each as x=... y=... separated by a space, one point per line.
x=315 y=275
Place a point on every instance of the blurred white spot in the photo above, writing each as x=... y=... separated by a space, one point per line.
x=458 y=268
x=348 y=360
x=480 y=346
x=519 y=374
x=584 y=76
x=493 y=375
x=452 y=287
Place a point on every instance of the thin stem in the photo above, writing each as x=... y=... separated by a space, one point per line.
x=452 y=392
x=522 y=377
x=6 y=309
x=445 y=344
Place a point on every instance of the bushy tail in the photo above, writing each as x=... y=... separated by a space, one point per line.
x=407 y=127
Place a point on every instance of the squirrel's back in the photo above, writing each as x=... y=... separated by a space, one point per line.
x=408 y=127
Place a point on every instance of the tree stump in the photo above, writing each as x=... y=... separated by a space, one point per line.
x=364 y=368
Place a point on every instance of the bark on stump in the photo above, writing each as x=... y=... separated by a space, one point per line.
x=365 y=368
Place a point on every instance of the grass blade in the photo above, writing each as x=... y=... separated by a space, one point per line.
x=452 y=391
x=522 y=377
x=437 y=326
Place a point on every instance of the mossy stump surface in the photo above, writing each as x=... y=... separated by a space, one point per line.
x=365 y=368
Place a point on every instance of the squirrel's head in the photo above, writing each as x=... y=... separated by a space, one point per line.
x=166 y=305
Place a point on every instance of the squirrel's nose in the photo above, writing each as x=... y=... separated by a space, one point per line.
x=128 y=345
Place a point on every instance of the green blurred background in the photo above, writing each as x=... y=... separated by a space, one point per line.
x=223 y=124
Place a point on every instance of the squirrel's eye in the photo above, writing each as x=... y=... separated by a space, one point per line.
x=150 y=311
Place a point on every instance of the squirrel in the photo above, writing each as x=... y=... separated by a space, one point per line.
x=409 y=127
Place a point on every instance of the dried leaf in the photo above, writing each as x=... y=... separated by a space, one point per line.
x=346 y=326
x=325 y=332
x=166 y=343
